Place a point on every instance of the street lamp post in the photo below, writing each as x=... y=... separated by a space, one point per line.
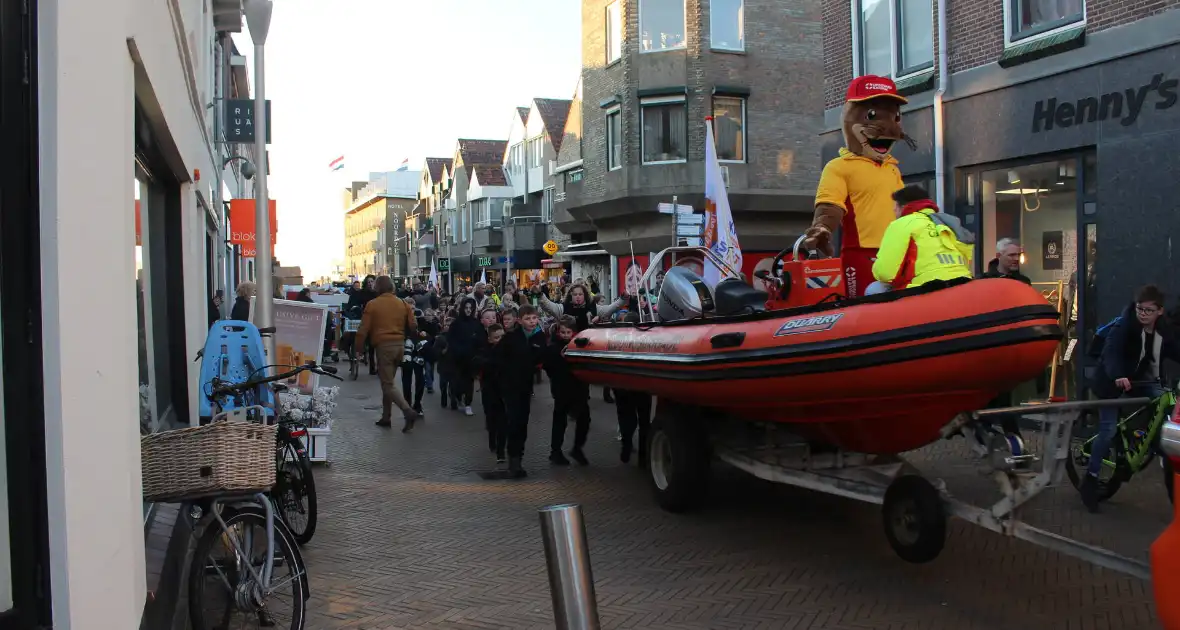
x=258 y=13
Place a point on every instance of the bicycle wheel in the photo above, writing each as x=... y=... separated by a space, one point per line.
x=295 y=494
x=223 y=592
x=1110 y=477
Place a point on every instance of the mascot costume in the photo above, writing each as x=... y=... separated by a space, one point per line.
x=855 y=188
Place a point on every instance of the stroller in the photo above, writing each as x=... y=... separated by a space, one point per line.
x=351 y=323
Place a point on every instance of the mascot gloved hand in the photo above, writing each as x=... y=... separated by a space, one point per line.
x=855 y=188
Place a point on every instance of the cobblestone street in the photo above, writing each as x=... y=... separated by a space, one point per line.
x=410 y=537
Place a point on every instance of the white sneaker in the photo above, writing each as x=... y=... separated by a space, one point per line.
x=467 y=410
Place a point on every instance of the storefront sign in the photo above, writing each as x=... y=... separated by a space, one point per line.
x=444 y=264
x=1052 y=250
x=239 y=117
x=241 y=223
x=1123 y=106
x=483 y=261
x=550 y=247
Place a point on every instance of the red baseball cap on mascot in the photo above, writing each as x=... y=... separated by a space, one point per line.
x=871 y=86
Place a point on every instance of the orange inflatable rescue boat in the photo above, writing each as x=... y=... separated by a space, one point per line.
x=878 y=374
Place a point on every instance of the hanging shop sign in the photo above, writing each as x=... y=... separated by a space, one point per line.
x=239 y=126
x=242 y=225
x=550 y=247
x=444 y=264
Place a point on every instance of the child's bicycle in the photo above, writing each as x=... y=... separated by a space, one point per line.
x=1135 y=444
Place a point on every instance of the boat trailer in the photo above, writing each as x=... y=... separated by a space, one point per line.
x=915 y=508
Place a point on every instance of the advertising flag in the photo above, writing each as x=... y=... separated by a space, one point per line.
x=433 y=274
x=720 y=233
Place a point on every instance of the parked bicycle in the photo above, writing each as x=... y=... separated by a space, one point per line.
x=1134 y=446
x=294 y=492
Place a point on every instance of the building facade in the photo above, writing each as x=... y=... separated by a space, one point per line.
x=1050 y=122
x=421 y=221
x=375 y=239
x=652 y=71
x=534 y=140
x=472 y=251
x=108 y=316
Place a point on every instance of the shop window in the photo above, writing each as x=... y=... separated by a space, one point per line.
x=547 y=205
x=727 y=24
x=729 y=128
x=665 y=132
x=1035 y=207
x=661 y=25
x=614 y=32
x=614 y=140
x=896 y=37
x=1027 y=18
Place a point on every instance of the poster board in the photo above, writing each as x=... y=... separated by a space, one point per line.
x=299 y=338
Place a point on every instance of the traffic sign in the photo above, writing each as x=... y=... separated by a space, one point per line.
x=550 y=247
x=667 y=208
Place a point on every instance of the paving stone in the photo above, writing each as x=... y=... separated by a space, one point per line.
x=411 y=537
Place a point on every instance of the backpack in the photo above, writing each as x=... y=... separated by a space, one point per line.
x=1100 y=335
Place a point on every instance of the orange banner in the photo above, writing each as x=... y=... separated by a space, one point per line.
x=241 y=223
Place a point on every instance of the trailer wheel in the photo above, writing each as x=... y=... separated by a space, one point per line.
x=914 y=519
x=678 y=462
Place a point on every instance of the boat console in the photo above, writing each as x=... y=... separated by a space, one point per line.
x=732 y=296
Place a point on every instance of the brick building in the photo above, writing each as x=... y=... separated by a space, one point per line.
x=652 y=70
x=1053 y=122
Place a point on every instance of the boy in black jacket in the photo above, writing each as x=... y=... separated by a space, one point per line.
x=491 y=394
x=516 y=357
x=570 y=396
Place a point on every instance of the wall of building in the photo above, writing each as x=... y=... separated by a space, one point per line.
x=123 y=50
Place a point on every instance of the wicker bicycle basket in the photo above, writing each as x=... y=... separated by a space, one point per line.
x=218 y=458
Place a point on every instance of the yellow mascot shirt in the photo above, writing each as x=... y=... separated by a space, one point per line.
x=864 y=188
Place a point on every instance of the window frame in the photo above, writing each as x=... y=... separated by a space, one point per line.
x=745 y=132
x=896 y=72
x=614 y=37
x=684 y=27
x=661 y=101
x=741 y=30
x=616 y=112
x=1014 y=37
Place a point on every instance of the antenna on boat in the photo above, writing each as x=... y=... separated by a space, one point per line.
x=631 y=244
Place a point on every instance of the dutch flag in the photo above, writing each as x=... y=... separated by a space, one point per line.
x=337 y=164
x=405 y=165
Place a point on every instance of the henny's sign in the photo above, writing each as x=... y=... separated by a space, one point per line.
x=1124 y=106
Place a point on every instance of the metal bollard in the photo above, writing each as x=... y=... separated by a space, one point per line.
x=568 y=558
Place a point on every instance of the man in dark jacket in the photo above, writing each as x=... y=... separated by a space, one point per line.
x=1006 y=264
x=1132 y=355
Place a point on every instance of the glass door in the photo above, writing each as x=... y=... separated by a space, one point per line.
x=1028 y=219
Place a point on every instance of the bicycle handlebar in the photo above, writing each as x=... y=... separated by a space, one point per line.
x=233 y=388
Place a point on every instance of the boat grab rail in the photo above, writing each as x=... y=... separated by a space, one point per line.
x=648 y=315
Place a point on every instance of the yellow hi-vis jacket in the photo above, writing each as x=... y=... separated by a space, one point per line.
x=923 y=245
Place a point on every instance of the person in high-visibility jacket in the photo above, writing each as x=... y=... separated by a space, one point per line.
x=921 y=245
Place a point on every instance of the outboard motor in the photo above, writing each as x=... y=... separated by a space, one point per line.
x=683 y=295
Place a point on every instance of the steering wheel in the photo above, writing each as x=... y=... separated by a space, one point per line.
x=778 y=275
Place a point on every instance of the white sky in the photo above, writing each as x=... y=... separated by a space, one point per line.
x=378 y=81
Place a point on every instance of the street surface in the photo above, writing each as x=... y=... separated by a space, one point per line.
x=411 y=537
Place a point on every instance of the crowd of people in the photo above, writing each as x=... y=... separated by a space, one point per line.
x=477 y=341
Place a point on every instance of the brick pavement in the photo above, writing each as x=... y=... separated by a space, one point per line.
x=411 y=537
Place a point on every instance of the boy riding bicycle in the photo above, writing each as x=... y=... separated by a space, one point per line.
x=1133 y=350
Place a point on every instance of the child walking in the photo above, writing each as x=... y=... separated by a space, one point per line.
x=517 y=355
x=570 y=396
x=495 y=416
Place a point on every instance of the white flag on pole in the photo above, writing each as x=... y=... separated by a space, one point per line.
x=483 y=276
x=433 y=275
x=720 y=233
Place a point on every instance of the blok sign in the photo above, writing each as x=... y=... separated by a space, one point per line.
x=242 y=225
x=239 y=121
